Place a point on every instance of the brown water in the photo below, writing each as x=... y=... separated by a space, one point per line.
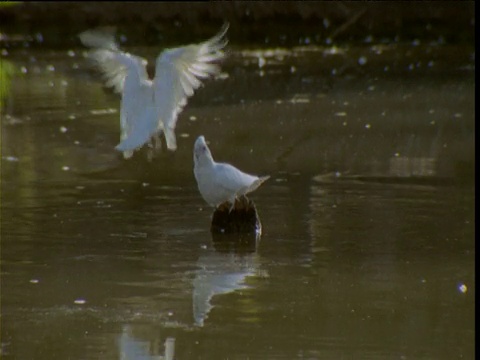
x=367 y=249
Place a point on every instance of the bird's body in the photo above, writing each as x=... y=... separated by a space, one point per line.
x=220 y=182
x=149 y=107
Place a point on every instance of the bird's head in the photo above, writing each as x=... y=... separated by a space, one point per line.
x=201 y=152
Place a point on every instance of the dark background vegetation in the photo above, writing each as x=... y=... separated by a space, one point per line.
x=267 y=23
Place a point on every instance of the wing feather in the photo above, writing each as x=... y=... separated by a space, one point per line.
x=230 y=178
x=113 y=63
x=178 y=74
x=127 y=75
x=100 y=38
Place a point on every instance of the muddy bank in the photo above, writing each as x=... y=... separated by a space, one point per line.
x=263 y=23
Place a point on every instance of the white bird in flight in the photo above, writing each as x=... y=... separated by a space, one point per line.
x=149 y=107
x=220 y=182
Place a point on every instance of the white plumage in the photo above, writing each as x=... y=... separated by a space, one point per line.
x=220 y=182
x=149 y=107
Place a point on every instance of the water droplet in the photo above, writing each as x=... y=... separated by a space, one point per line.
x=71 y=53
x=103 y=111
x=63 y=129
x=368 y=126
x=80 y=301
x=261 y=62
x=462 y=288
x=193 y=118
x=39 y=37
x=34 y=281
x=65 y=168
x=362 y=60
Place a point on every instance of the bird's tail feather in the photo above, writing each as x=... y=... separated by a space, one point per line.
x=257 y=183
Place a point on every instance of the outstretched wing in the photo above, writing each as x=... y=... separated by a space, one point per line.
x=99 y=38
x=113 y=63
x=136 y=90
x=178 y=74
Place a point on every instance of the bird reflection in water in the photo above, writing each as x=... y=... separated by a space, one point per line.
x=223 y=269
x=131 y=348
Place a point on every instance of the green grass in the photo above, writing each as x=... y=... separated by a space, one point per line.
x=4 y=3
x=7 y=70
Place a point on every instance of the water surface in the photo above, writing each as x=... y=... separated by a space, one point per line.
x=367 y=249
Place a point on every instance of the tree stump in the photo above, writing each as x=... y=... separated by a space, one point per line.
x=243 y=219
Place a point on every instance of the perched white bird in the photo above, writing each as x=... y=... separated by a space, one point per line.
x=149 y=107
x=220 y=182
